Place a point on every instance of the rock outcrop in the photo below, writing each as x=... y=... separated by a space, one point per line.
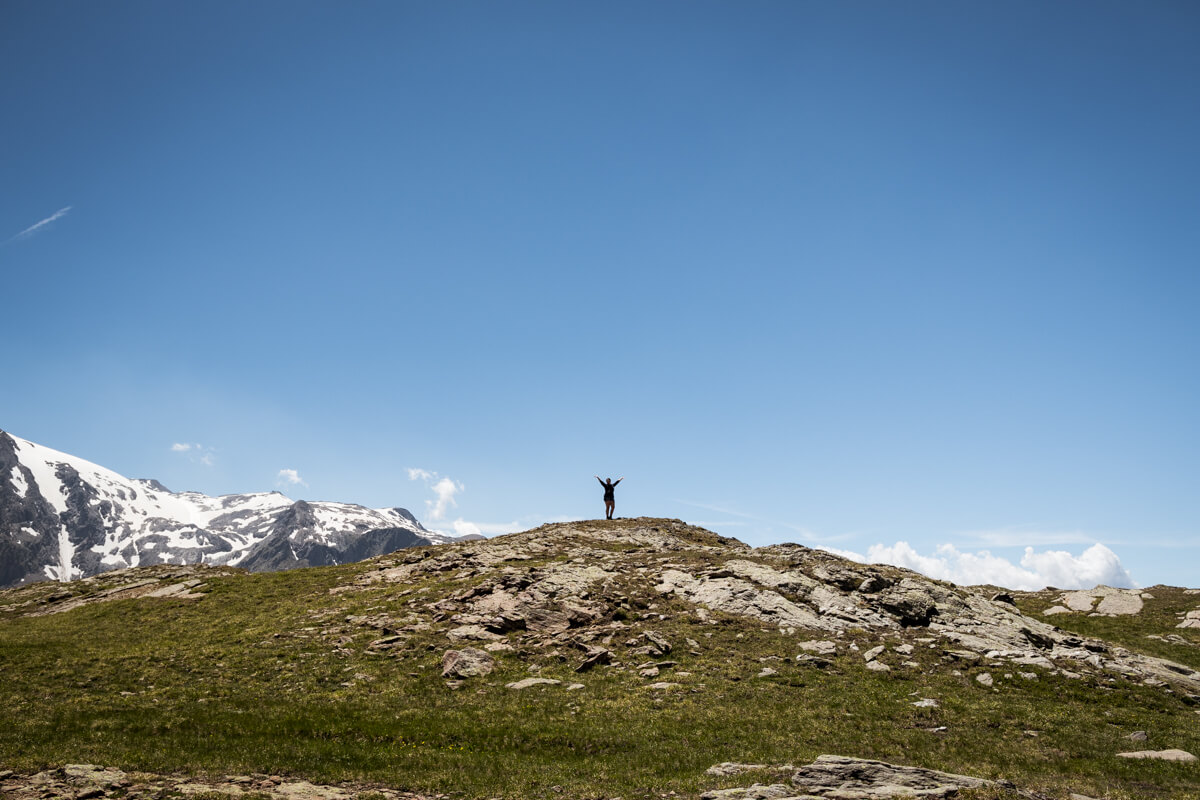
x=573 y=583
x=86 y=781
x=847 y=779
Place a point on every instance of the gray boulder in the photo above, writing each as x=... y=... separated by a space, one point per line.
x=467 y=663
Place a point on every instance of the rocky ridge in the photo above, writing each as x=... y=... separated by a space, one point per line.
x=522 y=584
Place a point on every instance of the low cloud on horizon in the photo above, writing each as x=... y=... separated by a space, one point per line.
x=1036 y=570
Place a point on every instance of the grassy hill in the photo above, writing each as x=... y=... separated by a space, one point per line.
x=335 y=674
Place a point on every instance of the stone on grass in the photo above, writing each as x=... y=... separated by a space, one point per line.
x=477 y=632
x=466 y=663
x=759 y=791
x=92 y=774
x=820 y=647
x=866 y=779
x=1160 y=755
x=1120 y=604
x=927 y=702
x=731 y=768
x=878 y=666
x=1190 y=620
x=527 y=682
x=985 y=678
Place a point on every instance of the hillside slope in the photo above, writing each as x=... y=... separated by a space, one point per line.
x=590 y=659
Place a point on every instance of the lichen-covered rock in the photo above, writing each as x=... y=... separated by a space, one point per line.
x=1160 y=755
x=467 y=663
x=528 y=682
x=878 y=779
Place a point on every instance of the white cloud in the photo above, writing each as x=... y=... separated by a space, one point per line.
x=196 y=452
x=35 y=227
x=444 y=489
x=291 y=477
x=464 y=528
x=1095 y=565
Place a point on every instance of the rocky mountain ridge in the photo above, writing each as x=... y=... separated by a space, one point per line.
x=63 y=518
x=788 y=587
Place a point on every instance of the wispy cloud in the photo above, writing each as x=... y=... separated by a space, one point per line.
x=1026 y=535
x=444 y=489
x=195 y=452
x=1036 y=570
x=804 y=533
x=290 y=477
x=37 y=226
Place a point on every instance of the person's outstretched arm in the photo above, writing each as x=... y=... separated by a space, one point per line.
x=618 y=480
x=597 y=477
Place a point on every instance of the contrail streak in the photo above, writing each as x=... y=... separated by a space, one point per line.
x=32 y=229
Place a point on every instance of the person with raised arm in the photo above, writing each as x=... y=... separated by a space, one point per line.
x=610 y=502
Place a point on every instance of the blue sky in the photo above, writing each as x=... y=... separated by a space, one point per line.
x=847 y=274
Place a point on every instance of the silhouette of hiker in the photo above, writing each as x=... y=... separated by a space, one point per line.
x=609 y=500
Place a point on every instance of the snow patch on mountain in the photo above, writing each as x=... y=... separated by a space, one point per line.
x=62 y=517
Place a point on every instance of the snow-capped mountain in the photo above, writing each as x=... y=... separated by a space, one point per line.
x=62 y=517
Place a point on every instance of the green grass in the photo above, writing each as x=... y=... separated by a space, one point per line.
x=250 y=680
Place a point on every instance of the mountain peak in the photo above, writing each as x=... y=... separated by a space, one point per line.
x=62 y=517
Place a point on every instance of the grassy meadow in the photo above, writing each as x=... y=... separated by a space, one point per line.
x=264 y=675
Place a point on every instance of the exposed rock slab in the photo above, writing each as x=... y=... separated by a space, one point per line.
x=85 y=781
x=847 y=778
x=1112 y=601
x=742 y=598
x=1160 y=755
x=528 y=682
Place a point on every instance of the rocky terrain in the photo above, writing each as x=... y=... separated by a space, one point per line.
x=597 y=638
x=834 y=777
x=791 y=588
x=62 y=517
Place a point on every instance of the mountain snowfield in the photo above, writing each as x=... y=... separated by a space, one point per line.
x=63 y=518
